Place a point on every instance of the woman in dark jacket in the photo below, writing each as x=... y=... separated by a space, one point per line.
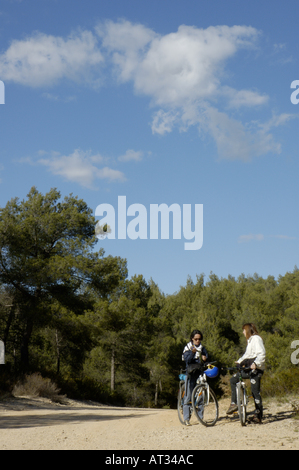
x=193 y=353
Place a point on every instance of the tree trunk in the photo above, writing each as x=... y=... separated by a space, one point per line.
x=58 y=353
x=8 y=324
x=25 y=345
x=112 y=370
x=156 y=393
x=158 y=386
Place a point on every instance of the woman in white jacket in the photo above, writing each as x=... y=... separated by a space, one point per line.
x=254 y=358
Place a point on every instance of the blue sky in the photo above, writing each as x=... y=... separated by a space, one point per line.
x=161 y=101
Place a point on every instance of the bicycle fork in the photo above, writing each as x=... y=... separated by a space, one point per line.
x=246 y=400
x=205 y=391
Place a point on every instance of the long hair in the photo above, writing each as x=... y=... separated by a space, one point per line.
x=250 y=330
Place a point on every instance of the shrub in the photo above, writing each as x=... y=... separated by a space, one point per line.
x=35 y=385
x=280 y=383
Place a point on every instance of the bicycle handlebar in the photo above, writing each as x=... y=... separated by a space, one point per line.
x=237 y=368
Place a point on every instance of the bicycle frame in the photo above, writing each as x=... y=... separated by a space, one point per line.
x=202 y=380
x=242 y=397
x=203 y=403
x=242 y=401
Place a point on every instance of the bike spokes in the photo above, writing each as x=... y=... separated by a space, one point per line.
x=242 y=403
x=205 y=405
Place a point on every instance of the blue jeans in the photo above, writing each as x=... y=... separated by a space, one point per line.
x=189 y=386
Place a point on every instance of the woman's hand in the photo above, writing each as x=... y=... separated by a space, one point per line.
x=204 y=358
x=253 y=366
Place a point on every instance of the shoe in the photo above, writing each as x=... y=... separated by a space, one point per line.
x=255 y=419
x=187 y=423
x=232 y=409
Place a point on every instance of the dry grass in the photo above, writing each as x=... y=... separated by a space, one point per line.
x=35 y=385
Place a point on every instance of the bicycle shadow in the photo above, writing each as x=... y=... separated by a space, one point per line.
x=269 y=417
x=277 y=416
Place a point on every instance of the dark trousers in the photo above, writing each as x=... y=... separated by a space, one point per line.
x=255 y=381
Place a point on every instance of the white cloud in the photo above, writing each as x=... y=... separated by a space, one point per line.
x=280 y=54
x=164 y=121
x=183 y=73
x=251 y=237
x=53 y=97
x=180 y=66
x=127 y=43
x=81 y=167
x=236 y=141
x=240 y=98
x=283 y=237
x=131 y=155
x=43 y=59
x=277 y=121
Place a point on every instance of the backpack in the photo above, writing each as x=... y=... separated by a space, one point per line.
x=194 y=370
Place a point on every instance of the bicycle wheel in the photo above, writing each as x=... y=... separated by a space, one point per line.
x=205 y=405
x=241 y=400
x=181 y=396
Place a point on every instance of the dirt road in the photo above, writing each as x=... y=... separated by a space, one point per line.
x=38 y=424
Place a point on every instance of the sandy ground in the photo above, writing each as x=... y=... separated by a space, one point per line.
x=33 y=424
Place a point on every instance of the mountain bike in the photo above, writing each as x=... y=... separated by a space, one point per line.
x=242 y=397
x=204 y=401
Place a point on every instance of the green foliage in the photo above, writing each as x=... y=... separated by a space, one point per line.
x=49 y=268
x=281 y=384
x=69 y=312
